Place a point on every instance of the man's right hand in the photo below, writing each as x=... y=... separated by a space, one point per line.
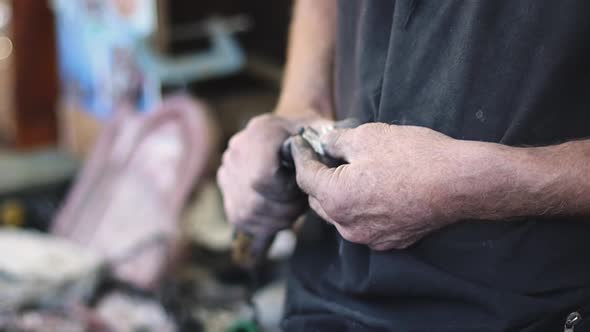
x=260 y=197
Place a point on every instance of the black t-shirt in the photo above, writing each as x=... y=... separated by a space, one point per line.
x=515 y=72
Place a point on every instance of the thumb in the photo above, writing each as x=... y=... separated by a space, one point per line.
x=312 y=175
x=340 y=144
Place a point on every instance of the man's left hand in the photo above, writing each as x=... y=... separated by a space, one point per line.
x=393 y=187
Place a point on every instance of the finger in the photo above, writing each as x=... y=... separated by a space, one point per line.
x=255 y=228
x=279 y=186
x=242 y=205
x=312 y=175
x=276 y=187
x=263 y=224
x=340 y=144
x=264 y=205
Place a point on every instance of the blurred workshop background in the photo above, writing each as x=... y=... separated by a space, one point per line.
x=113 y=118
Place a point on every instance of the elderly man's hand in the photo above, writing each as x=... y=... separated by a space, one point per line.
x=259 y=196
x=390 y=192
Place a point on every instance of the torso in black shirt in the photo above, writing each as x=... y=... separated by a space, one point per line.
x=516 y=72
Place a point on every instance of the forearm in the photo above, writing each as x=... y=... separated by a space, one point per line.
x=497 y=182
x=307 y=84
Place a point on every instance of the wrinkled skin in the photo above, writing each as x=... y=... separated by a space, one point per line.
x=260 y=197
x=390 y=192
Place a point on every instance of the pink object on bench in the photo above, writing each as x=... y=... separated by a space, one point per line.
x=128 y=197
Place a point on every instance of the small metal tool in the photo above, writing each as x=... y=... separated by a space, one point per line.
x=311 y=136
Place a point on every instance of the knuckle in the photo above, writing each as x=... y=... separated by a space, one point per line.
x=254 y=122
x=234 y=141
x=260 y=120
x=220 y=176
x=226 y=158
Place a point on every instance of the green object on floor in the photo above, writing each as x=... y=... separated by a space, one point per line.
x=244 y=326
